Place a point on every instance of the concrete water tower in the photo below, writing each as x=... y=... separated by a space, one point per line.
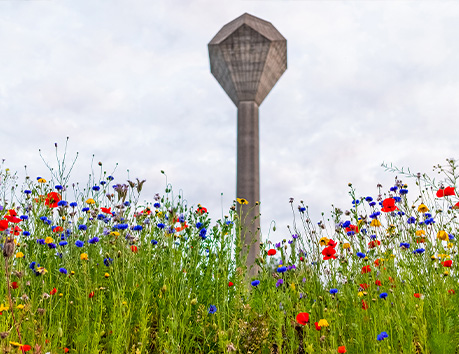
x=247 y=57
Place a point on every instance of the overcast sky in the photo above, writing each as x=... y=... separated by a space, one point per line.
x=129 y=81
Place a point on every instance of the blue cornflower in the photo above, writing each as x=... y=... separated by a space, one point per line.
x=369 y=199
x=198 y=225
x=24 y=217
x=212 y=309
x=63 y=243
x=154 y=242
x=127 y=203
x=73 y=204
x=397 y=199
x=255 y=282
x=403 y=191
x=278 y=245
x=122 y=226
x=411 y=220
x=161 y=225
x=62 y=203
x=26 y=233
x=86 y=209
x=372 y=204
x=356 y=202
x=382 y=295
x=96 y=188
x=157 y=205
x=110 y=178
x=279 y=282
x=43 y=218
x=94 y=240
x=419 y=251
x=393 y=189
x=350 y=233
x=282 y=269
x=108 y=261
x=333 y=291
x=79 y=243
x=181 y=218
x=63 y=270
x=59 y=187
x=302 y=209
x=27 y=191
x=346 y=224
x=82 y=227
x=400 y=213
x=41 y=241
x=429 y=221
x=360 y=255
x=137 y=228
x=404 y=244
x=381 y=336
x=373 y=237
x=202 y=233
x=451 y=237
x=32 y=265
x=52 y=245
x=100 y=217
x=375 y=215
x=103 y=182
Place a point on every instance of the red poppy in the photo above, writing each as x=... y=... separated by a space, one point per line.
x=201 y=210
x=447 y=263
x=352 y=228
x=445 y=192
x=417 y=295
x=364 y=286
x=106 y=210
x=329 y=252
x=14 y=285
x=230 y=284
x=388 y=205
x=421 y=239
x=180 y=228
x=364 y=305
x=302 y=318
x=373 y=244
x=317 y=326
x=16 y=230
x=451 y=291
x=3 y=225
x=66 y=350
x=13 y=219
x=12 y=212
x=272 y=252
x=342 y=349
x=52 y=199
x=58 y=229
x=134 y=248
x=52 y=292
x=331 y=243
x=25 y=347
x=366 y=269
x=91 y=294
x=301 y=259
x=378 y=282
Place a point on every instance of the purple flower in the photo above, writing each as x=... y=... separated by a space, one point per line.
x=279 y=282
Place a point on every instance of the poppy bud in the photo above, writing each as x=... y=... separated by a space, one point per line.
x=194 y=301
x=164 y=288
x=8 y=248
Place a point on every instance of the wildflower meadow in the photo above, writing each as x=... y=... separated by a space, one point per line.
x=92 y=269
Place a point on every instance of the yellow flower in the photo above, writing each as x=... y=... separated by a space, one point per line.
x=72 y=272
x=293 y=286
x=42 y=270
x=323 y=323
x=324 y=241
x=107 y=275
x=49 y=240
x=90 y=201
x=420 y=233
x=20 y=307
x=84 y=256
x=16 y=344
x=446 y=273
x=450 y=245
x=442 y=235
x=60 y=294
x=346 y=246
x=242 y=201
x=114 y=233
x=19 y=255
x=423 y=209
x=375 y=223
x=360 y=293
x=124 y=303
x=41 y=180
x=4 y=308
